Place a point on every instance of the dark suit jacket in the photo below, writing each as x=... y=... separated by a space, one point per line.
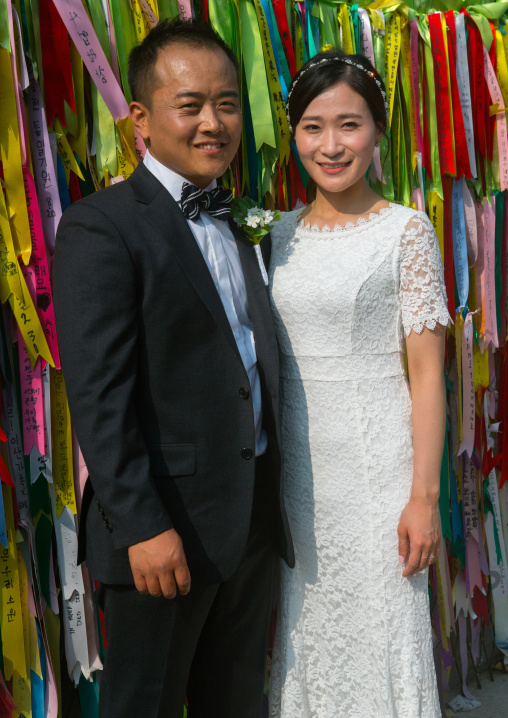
x=156 y=385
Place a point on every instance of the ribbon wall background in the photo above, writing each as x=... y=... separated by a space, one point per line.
x=64 y=133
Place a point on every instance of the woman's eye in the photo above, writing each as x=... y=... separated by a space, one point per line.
x=350 y=125
x=311 y=127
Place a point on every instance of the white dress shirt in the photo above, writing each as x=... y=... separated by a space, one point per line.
x=218 y=247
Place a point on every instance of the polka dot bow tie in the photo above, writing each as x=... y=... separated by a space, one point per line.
x=217 y=202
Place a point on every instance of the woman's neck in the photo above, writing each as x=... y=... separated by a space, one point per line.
x=351 y=202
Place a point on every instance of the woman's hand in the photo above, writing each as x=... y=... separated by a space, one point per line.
x=419 y=534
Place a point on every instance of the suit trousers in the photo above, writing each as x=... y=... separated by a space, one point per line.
x=209 y=645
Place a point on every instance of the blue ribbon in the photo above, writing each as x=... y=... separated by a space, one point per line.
x=460 y=246
x=268 y=15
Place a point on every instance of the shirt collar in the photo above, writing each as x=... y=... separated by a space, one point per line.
x=168 y=178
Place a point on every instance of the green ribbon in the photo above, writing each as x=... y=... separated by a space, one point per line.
x=222 y=19
x=329 y=32
x=431 y=109
x=444 y=495
x=312 y=24
x=168 y=9
x=125 y=37
x=357 y=27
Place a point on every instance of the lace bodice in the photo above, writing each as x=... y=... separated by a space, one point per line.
x=385 y=275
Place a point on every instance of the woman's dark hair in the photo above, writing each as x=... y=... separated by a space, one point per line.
x=327 y=69
x=143 y=80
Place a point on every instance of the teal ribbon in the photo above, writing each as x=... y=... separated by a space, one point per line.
x=459 y=245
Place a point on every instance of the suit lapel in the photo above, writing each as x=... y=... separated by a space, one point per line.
x=165 y=216
x=259 y=309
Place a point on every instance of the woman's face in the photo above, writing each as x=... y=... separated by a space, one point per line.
x=336 y=137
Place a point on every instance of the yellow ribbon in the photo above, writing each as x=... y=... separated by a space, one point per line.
x=76 y=137
x=347 y=38
x=502 y=66
x=277 y=99
x=392 y=52
x=436 y=214
x=21 y=685
x=65 y=151
x=13 y=288
x=10 y=155
x=13 y=641
x=63 y=477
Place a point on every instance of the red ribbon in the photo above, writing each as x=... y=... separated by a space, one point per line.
x=56 y=62
x=481 y=604
x=279 y=10
x=478 y=86
x=74 y=188
x=491 y=121
x=4 y=474
x=444 y=139
x=461 y=151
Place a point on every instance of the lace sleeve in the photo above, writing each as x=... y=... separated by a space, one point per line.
x=422 y=292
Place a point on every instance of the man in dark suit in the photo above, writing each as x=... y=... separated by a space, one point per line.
x=171 y=367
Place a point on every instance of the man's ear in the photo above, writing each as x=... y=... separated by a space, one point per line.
x=140 y=116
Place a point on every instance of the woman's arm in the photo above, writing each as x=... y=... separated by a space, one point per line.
x=420 y=527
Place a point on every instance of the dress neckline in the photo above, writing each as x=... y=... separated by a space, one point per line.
x=349 y=226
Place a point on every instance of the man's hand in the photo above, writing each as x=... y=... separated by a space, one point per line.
x=159 y=565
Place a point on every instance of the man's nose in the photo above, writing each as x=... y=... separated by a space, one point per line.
x=210 y=120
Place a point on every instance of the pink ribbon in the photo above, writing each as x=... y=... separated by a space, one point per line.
x=470 y=222
x=488 y=274
x=32 y=408
x=185 y=9
x=37 y=273
x=83 y=35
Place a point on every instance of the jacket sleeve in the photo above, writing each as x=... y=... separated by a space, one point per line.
x=96 y=307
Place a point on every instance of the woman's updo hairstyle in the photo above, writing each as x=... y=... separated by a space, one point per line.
x=327 y=69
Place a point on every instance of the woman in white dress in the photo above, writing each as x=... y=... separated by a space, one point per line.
x=354 y=280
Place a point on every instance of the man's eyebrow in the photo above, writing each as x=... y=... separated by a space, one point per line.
x=201 y=95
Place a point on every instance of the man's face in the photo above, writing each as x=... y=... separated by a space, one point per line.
x=194 y=124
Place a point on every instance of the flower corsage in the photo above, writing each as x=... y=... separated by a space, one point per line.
x=255 y=222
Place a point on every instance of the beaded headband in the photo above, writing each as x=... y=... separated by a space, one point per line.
x=347 y=61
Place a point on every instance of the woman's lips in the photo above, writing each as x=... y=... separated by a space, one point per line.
x=331 y=168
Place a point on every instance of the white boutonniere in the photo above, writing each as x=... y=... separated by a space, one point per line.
x=255 y=222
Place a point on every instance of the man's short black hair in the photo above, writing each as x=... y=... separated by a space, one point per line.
x=142 y=77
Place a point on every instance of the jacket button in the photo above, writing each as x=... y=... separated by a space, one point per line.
x=109 y=528
x=246 y=453
x=244 y=392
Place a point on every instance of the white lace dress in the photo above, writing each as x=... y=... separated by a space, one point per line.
x=354 y=637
